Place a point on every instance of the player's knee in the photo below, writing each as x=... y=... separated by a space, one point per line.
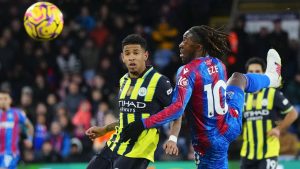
x=237 y=76
x=237 y=79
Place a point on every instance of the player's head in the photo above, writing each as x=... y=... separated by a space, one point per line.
x=199 y=41
x=255 y=65
x=5 y=99
x=134 y=53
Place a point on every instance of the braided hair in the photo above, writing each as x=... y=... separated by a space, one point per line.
x=215 y=42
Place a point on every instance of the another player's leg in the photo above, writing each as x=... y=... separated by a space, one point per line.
x=270 y=162
x=123 y=162
x=102 y=160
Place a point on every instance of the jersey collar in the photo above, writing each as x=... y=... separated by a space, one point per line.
x=144 y=75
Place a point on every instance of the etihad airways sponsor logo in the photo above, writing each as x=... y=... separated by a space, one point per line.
x=256 y=113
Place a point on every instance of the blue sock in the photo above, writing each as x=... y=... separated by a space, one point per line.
x=256 y=82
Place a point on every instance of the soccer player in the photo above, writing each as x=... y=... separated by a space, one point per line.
x=262 y=109
x=12 y=121
x=143 y=92
x=213 y=108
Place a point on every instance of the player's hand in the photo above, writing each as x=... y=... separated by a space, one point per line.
x=28 y=143
x=95 y=132
x=132 y=131
x=171 y=148
x=275 y=132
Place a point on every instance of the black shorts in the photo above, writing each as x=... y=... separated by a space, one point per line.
x=266 y=163
x=107 y=159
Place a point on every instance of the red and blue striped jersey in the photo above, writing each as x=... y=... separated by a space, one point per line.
x=10 y=122
x=200 y=92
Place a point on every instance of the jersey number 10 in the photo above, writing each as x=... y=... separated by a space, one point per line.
x=214 y=99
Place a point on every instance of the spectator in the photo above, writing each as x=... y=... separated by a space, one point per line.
x=48 y=154
x=67 y=62
x=59 y=140
x=73 y=98
x=40 y=88
x=40 y=132
x=76 y=151
x=89 y=56
x=83 y=116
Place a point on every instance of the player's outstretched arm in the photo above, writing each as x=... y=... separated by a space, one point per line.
x=95 y=131
x=170 y=146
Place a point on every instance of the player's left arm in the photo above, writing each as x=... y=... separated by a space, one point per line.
x=285 y=107
x=28 y=128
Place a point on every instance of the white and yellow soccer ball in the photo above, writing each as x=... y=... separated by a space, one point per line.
x=43 y=21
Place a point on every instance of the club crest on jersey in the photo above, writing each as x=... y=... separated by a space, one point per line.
x=142 y=91
x=208 y=62
x=185 y=70
x=183 y=82
x=264 y=102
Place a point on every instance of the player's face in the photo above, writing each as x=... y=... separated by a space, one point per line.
x=255 y=68
x=134 y=57
x=187 y=48
x=5 y=101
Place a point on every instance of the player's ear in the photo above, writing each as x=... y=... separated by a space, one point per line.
x=146 y=55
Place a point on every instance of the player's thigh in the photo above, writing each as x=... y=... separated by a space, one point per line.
x=235 y=98
x=102 y=160
x=123 y=162
x=249 y=164
x=268 y=163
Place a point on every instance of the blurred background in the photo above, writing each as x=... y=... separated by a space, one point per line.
x=77 y=74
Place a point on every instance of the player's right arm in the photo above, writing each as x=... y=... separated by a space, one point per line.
x=95 y=131
x=170 y=146
x=29 y=129
x=181 y=96
x=283 y=105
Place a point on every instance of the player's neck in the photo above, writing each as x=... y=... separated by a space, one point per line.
x=200 y=54
x=138 y=73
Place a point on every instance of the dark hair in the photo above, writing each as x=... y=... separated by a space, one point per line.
x=215 y=42
x=4 y=92
x=256 y=60
x=134 y=39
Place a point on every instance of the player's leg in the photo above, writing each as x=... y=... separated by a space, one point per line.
x=240 y=83
x=123 y=162
x=253 y=82
x=268 y=163
x=249 y=164
x=14 y=162
x=102 y=160
x=216 y=156
x=8 y=161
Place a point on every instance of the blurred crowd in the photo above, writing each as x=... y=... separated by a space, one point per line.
x=69 y=84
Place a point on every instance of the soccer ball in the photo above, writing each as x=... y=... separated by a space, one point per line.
x=43 y=21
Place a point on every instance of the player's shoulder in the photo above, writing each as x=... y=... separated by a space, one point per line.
x=18 y=110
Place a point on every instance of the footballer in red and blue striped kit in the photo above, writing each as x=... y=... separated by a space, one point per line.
x=11 y=122
x=213 y=105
